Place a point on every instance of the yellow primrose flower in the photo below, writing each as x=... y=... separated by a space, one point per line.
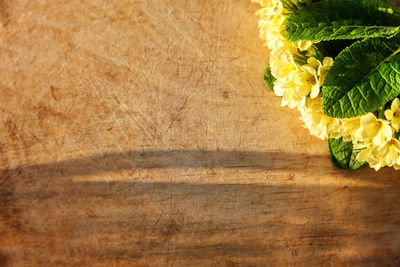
x=393 y=114
x=389 y=152
x=316 y=124
x=334 y=128
x=289 y=96
x=372 y=128
x=303 y=45
x=271 y=25
x=366 y=155
x=282 y=64
x=377 y=157
x=365 y=148
x=306 y=80
x=324 y=68
x=374 y=163
x=272 y=32
x=314 y=119
x=349 y=127
x=271 y=10
x=314 y=63
x=267 y=3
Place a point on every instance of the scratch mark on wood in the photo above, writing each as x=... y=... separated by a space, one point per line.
x=40 y=142
x=52 y=89
x=177 y=115
x=19 y=134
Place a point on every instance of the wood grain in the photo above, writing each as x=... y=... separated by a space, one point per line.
x=139 y=133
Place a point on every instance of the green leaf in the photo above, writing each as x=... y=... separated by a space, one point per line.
x=339 y=19
x=363 y=77
x=343 y=155
x=268 y=78
x=294 y=4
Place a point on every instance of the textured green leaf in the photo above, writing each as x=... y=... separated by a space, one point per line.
x=295 y=4
x=343 y=155
x=364 y=77
x=339 y=19
x=268 y=78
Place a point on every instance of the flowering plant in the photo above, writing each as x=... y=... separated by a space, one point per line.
x=338 y=63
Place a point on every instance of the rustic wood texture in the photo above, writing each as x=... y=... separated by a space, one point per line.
x=139 y=133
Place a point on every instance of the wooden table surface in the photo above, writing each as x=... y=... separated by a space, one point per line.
x=139 y=133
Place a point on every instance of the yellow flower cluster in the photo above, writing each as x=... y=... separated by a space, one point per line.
x=376 y=138
x=299 y=86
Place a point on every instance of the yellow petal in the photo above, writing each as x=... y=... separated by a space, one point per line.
x=304 y=45
x=387 y=130
x=313 y=63
x=389 y=114
x=314 y=91
x=395 y=104
x=368 y=118
x=363 y=155
x=396 y=124
x=328 y=61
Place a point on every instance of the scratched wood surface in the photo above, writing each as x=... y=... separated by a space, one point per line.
x=139 y=133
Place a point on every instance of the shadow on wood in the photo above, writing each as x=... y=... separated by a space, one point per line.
x=54 y=219
x=64 y=222
x=185 y=159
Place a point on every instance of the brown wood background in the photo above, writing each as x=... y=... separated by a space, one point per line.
x=139 y=133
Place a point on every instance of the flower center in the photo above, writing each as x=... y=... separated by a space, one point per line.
x=312 y=80
x=378 y=126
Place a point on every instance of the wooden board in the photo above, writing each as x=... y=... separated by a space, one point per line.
x=139 y=133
